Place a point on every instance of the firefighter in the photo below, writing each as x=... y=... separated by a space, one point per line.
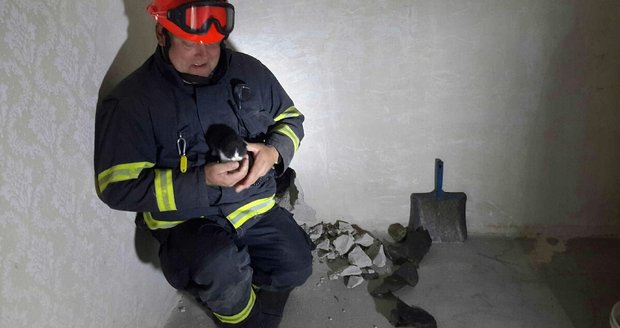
x=221 y=235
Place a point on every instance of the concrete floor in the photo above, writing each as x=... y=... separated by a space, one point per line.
x=484 y=282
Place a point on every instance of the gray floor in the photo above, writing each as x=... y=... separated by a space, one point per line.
x=484 y=282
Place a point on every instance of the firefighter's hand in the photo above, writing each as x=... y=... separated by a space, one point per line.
x=226 y=174
x=265 y=157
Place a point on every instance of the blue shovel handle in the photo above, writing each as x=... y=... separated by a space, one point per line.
x=438 y=178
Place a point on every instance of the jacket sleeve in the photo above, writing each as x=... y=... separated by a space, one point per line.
x=128 y=176
x=287 y=131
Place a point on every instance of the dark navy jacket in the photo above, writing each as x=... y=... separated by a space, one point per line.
x=139 y=123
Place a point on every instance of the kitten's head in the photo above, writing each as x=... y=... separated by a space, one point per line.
x=232 y=150
x=225 y=143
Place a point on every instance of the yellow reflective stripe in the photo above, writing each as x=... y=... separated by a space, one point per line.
x=287 y=131
x=288 y=113
x=121 y=172
x=154 y=224
x=239 y=317
x=250 y=210
x=164 y=191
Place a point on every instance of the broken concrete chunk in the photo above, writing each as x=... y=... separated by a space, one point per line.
x=324 y=245
x=316 y=232
x=397 y=232
x=331 y=230
x=374 y=248
x=334 y=276
x=380 y=259
x=351 y=270
x=317 y=228
x=411 y=316
x=314 y=237
x=365 y=240
x=354 y=281
x=343 y=244
x=329 y=256
x=359 y=258
x=385 y=271
x=370 y=274
x=345 y=228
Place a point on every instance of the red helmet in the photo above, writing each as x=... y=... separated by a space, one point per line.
x=195 y=21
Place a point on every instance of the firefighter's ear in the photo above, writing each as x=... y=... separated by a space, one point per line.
x=160 y=33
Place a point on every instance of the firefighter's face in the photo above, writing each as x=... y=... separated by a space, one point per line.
x=192 y=58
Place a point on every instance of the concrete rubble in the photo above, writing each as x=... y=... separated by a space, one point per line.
x=356 y=256
x=380 y=260
x=351 y=249
x=324 y=245
x=343 y=244
x=365 y=240
x=351 y=270
x=357 y=253
x=354 y=281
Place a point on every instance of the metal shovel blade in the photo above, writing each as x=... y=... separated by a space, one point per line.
x=441 y=213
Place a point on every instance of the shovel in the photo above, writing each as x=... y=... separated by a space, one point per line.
x=441 y=213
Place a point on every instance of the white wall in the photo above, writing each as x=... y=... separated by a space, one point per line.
x=66 y=260
x=519 y=98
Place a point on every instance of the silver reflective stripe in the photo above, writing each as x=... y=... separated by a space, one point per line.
x=288 y=113
x=121 y=172
x=164 y=191
x=250 y=210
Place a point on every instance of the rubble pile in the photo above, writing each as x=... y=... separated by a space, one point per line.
x=355 y=255
x=354 y=252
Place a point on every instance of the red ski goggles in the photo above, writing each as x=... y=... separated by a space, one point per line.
x=197 y=21
x=200 y=16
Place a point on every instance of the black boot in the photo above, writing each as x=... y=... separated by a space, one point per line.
x=272 y=306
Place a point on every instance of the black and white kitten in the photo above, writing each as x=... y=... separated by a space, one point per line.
x=225 y=143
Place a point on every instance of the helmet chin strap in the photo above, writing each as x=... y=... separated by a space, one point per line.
x=197 y=80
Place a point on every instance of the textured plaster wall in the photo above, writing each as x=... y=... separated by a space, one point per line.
x=66 y=260
x=521 y=99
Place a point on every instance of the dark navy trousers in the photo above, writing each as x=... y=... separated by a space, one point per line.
x=218 y=264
